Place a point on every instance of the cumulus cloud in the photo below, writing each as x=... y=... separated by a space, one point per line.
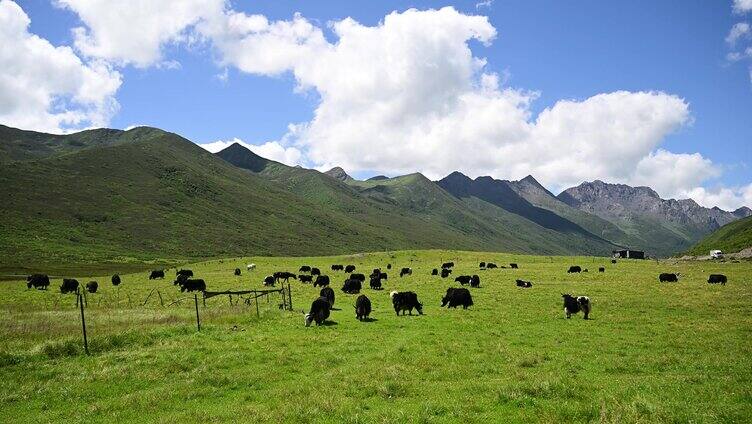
x=49 y=88
x=273 y=150
x=738 y=31
x=727 y=198
x=134 y=31
x=742 y=6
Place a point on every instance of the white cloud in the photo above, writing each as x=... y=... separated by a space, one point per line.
x=484 y=3
x=48 y=88
x=673 y=175
x=725 y=198
x=273 y=150
x=742 y=6
x=738 y=31
x=134 y=31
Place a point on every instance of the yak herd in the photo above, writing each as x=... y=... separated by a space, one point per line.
x=403 y=302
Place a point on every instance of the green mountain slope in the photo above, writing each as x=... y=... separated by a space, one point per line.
x=153 y=194
x=19 y=145
x=730 y=238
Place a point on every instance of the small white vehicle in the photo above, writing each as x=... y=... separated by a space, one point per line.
x=716 y=254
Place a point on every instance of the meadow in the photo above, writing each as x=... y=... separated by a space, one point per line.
x=651 y=352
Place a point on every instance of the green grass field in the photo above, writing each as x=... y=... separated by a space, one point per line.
x=651 y=352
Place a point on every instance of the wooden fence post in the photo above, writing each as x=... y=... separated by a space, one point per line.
x=289 y=295
x=83 y=324
x=256 y=302
x=198 y=320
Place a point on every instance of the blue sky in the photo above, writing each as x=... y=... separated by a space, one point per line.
x=697 y=125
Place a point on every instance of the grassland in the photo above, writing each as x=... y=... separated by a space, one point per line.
x=651 y=353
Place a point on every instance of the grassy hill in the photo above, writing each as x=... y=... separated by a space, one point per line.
x=730 y=238
x=153 y=195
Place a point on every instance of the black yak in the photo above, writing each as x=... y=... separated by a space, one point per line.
x=435 y=272
x=92 y=286
x=337 y=267
x=447 y=265
x=157 y=273
x=38 y=281
x=406 y=271
x=668 y=277
x=359 y=277
x=193 y=285
x=321 y=281
x=303 y=278
x=463 y=279
x=491 y=265
x=445 y=272
x=524 y=284
x=717 y=279
x=601 y=269
x=115 y=280
x=573 y=305
x=573 y=269
x=305 y=268
x=270 y=280
x=482 y=265
x=457 y=297
x=328 y=294
x=362 y=307
x=237 y=271
x=69 y=285
x=352 y=286
x=475 y=281
x=315 y=271
x=186 y=272
x=319 y=312
x=513 y=266
x=375 y=283
x=406 y=301
x=349 y=268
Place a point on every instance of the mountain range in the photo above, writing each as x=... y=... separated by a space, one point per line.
x=147 y=194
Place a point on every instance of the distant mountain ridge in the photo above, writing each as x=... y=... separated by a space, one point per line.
x=146 y=193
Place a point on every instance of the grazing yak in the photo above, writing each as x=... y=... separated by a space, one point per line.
x=573 y=269
x=585 y=270
x=362 y=307
x=475 y=281
x=179 y=280
x=352 y=286
x=337 y=267
x=186 y=272
x=601 y=269
x=445 y=272
x=447 y=265
x=157 y=273
x=92 y=286
x=319 y=312
x=491 y=265
x=115 y=280
x=573 y=305
x=328 y=294
x=193 y=285
x=406 y=271
x=305 y=268
x=284 y=275
x=237 y=271
x=388 y=266
x=406 y=301
x=321 y=281
x=613 y=261
x=349 y=268
x=524 y=284
x=666 y=277
x=463 y=279
x=250 y=267
x=359 y=277
x=482 y=265
x=375 y=283
x=315 y=271
x=38 y=281
x=717 y=279
x=455 y=297
x=69 y=285
x=270 y=280
x=435 y=272
x=305 y=278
